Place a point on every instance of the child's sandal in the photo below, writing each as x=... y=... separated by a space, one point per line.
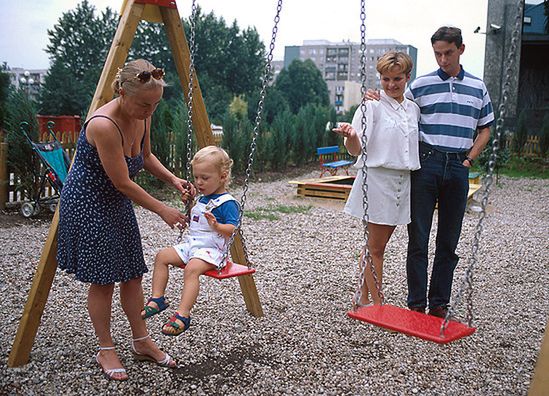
x=149 y=311
x=172 y=324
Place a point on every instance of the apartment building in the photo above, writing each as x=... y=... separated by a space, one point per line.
x=29 y=80
x=340 y=64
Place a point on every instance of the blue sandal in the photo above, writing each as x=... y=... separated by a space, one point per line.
x=172 y=324
x=149 y=311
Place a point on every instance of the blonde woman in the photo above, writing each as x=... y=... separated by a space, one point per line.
x=99 y=240
x=392 y=136
x=213 y=220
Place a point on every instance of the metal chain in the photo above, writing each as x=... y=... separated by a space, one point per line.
x=365 y=257
x=192 y=51
x=253 y=145
x=488 y=180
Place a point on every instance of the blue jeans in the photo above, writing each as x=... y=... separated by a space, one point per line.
x=444 y=179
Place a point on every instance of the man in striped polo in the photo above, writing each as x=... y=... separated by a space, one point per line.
x=454 y=105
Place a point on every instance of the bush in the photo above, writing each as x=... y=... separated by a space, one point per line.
x=279 y=142
x=544 y=141
x=521 y=134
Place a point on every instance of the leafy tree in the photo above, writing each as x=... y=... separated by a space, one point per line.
x=78 y=47
x=228 y=62
x=302 y=84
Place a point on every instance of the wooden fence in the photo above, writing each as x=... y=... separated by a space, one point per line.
x=531 y=148
x=13 y=194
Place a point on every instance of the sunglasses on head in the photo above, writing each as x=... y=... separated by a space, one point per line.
x=146 y=75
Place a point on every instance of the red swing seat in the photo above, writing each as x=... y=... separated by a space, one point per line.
x=230 y=270
x=411 y=323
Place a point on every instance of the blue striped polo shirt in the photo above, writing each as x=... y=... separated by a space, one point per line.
x=452 y=108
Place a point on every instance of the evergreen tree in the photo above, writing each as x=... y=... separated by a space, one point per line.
x=21 y=159
x=4 y=92
x=62 y=94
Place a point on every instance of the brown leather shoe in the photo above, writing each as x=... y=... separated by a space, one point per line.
x=418 y=309
x=439 y=312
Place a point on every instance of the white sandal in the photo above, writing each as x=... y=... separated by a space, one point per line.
x=144 y=357
x=109 y=373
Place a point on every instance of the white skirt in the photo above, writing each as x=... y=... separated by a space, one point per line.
x=388 y=196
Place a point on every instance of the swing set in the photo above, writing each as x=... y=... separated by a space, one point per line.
x=165 y=12
x=439 y=330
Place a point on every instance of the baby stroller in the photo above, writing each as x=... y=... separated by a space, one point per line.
x=54 y=171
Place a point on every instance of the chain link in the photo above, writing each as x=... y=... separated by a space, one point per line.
x=365 y=257
x=266 y=78
x=192 y=52
x=488 y=179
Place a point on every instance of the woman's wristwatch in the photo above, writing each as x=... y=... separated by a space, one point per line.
x=470 y=160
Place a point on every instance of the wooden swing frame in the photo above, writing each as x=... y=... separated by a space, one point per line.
x=133 y=11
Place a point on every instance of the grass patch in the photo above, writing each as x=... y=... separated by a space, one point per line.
x=521 y=167
x=272 y=212
x=518 y=167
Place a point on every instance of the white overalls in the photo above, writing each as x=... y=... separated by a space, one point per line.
x=202 y=242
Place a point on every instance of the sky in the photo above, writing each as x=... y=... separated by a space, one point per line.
x=23 y=31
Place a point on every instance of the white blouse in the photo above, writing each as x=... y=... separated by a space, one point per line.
x=392 y=132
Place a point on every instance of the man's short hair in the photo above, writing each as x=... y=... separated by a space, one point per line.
x=449 y=34
x=395 y=59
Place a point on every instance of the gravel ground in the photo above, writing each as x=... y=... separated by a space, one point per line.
x=305 y=344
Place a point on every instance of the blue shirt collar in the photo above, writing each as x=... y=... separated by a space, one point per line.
x=444 y=76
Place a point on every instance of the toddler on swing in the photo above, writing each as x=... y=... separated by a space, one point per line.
x=212 y=221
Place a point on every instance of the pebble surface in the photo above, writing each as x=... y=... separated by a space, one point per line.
x=305 y=344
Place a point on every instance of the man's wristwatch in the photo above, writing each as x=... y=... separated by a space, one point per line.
x=470 y=160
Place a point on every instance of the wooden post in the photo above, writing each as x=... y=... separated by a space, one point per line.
x=38 y=295
x=247 y=282
x=540 y=381
x=4 y=180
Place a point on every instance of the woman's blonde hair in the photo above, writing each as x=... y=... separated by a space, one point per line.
x=216 y=156
x=127 y=77
x=395 y=59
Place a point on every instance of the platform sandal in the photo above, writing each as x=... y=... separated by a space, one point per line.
x=171 y=323
x=166 y=362
x=149 y=311
x=110 y=373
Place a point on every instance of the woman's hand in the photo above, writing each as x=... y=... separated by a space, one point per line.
x=372 y=94
x=345 y=129
x=173 y=217
x=186 y=188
